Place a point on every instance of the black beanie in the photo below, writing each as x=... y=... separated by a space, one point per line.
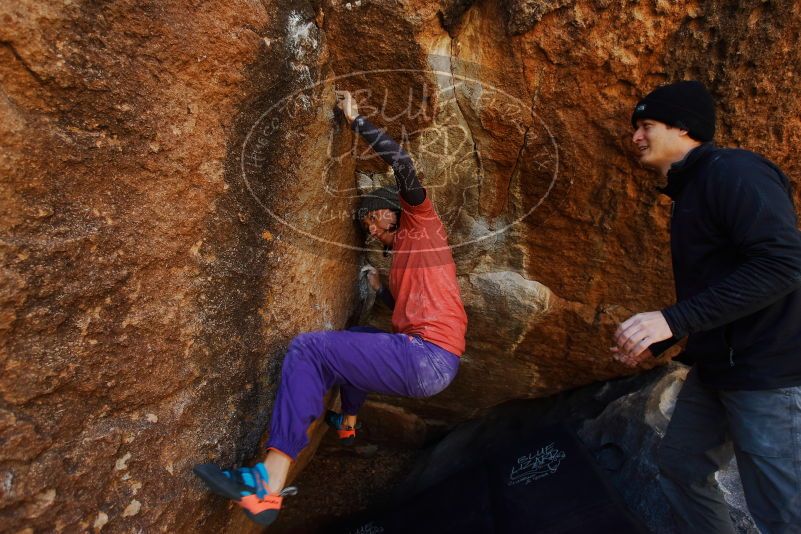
x=383 y=198
x=686 y=105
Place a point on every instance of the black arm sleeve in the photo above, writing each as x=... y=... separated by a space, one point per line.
x=661 y=346
x=758 y=213
x=386 y=297
x=392 y=154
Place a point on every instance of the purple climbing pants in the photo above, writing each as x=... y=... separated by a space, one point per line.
x=359 y=360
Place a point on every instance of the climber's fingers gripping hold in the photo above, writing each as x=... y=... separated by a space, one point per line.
x=373 y=278
x=347 y=104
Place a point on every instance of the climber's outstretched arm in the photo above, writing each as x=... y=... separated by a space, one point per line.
x=390 y=151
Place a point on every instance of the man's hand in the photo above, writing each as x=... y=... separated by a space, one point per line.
x=636 y=334
x=631 y=361
x=348 y=106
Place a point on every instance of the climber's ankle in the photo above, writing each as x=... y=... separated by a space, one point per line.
x=277 y=464
x=349 y=420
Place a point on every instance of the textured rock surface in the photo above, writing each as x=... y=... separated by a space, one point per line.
x=624 y=439
x=175 y=191
x=594 y=238
x=146 y=297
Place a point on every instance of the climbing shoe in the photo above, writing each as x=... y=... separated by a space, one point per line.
x=347 y=434
x=247 y=486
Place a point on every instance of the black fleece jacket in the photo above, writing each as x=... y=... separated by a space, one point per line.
x=736 y=253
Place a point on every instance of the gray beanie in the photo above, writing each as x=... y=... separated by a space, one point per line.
x=383 y=198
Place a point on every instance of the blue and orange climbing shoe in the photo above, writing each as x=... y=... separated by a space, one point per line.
x=247 y=486
x=347 y=434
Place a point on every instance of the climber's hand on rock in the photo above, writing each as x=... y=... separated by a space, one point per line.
x=374 y=281
x=348 y=105
x=373 y=278
x=637 y=333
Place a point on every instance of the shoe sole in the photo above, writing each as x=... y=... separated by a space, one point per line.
x=219 y=484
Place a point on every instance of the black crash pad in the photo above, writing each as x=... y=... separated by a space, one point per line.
x=534 y=480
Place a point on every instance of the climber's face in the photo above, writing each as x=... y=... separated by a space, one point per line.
x=382 y=225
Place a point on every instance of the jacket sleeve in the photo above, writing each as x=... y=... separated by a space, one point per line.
x=393 y=155
x=661 y=346
x=753 y=207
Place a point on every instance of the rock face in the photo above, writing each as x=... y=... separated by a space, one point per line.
x=146 y=294
x=624 y=439
x=176 y=192
x=533 y=104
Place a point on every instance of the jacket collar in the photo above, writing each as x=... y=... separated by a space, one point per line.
x=678 y=175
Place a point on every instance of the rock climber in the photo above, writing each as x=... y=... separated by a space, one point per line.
x=419 y=358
